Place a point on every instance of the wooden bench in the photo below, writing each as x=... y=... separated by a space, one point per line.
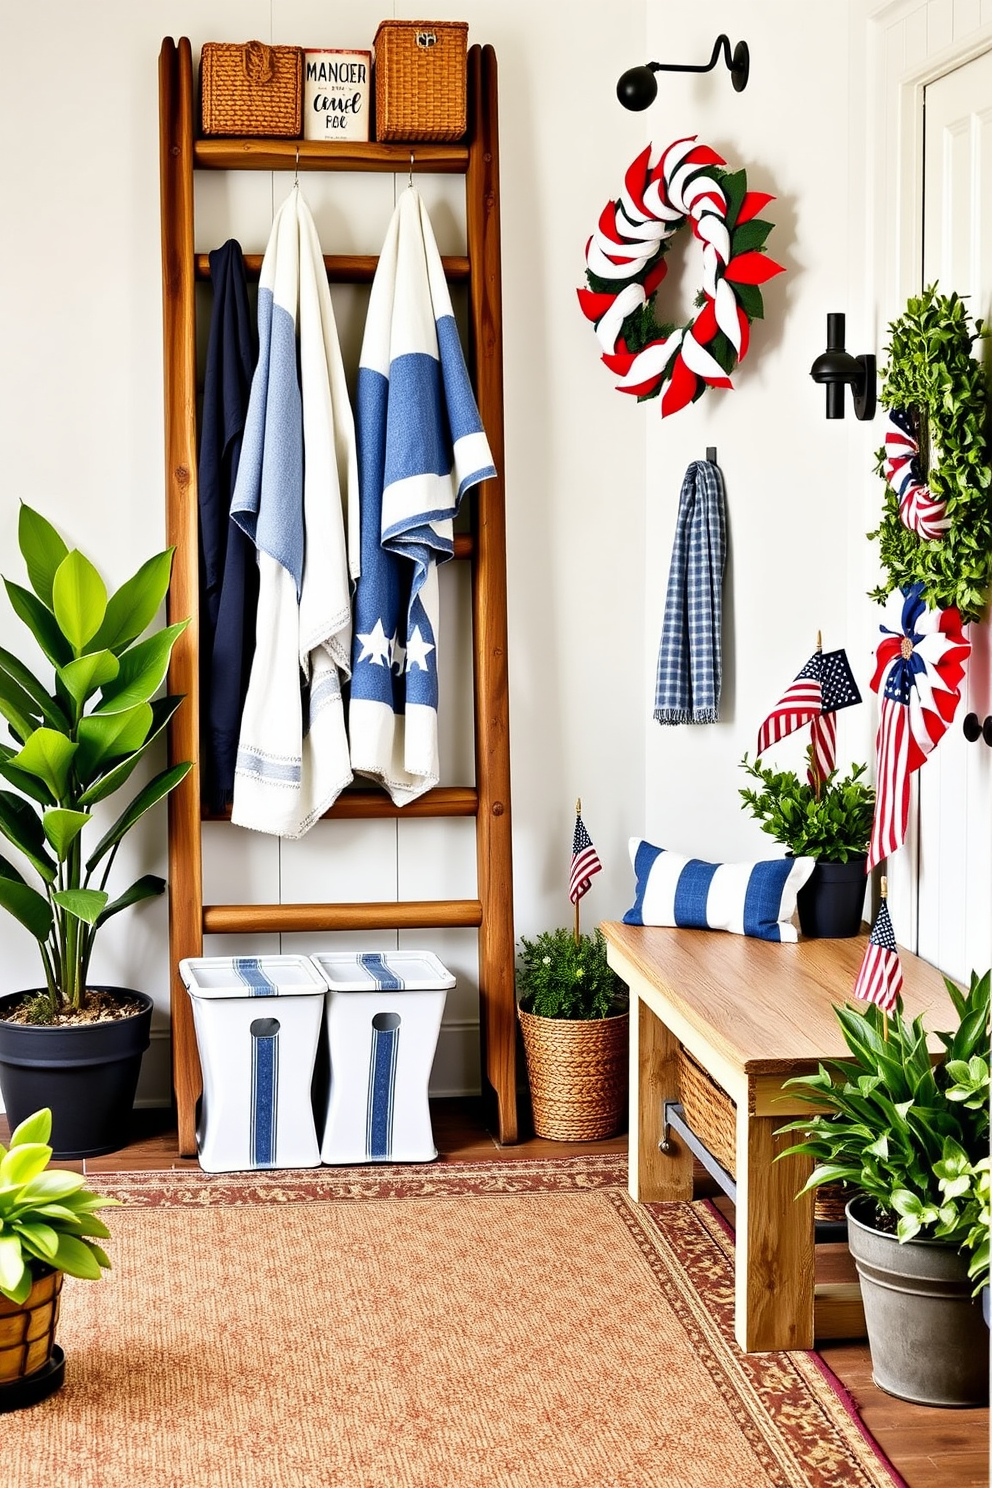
x=752 y=1013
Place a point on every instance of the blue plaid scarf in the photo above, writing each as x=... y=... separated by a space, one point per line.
x=687 y=689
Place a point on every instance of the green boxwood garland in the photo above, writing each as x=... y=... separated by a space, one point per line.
x=931 y=371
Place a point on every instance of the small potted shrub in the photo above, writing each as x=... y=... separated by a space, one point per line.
x=78 y=726
x=830 y=822
x=48 y=1228
x=910 y=1138
x=574 y=1020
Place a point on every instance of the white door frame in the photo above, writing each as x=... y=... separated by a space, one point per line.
x=907 y=44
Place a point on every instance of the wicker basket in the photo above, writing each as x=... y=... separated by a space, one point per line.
x=578 y=1074
x=421 y=80
x=712 y=1115
x=27 y=1330
x=251 y=88
x=709 y=1110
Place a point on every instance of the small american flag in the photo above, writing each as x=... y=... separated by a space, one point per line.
x=823 y=737
x=880 y=977
x=585 y=862
x=825 y=684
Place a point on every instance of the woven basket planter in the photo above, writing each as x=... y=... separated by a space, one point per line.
x=712 y=1115
x=578 y=1074
x=27 y=1329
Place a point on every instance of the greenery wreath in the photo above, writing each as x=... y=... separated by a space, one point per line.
x=938 y=395
x=625 y=264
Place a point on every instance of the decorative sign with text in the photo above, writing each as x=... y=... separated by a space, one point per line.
x=336 y=95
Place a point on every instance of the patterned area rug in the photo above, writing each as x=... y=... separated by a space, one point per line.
x=456 y=1325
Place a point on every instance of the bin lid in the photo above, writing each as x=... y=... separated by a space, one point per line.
x=250 y=976
x=384 y=971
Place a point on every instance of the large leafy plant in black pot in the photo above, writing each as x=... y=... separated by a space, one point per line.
x=78 y=728
x=830 y=821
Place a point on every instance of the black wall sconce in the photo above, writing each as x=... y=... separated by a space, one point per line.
x=836 y=368
x=638 y=88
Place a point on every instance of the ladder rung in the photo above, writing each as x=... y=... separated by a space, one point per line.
x=444 y=800
x=354 y=268
x=423 y=914
x=366 y=805
x=291 y=155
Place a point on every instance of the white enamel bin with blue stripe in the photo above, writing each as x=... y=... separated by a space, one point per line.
x=258 y=1022
x=383 y=1019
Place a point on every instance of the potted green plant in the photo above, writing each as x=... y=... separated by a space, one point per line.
x=48 y=1228
x=574 y=1020
x=831 y=822
x=911 y=1139
x=76 y=737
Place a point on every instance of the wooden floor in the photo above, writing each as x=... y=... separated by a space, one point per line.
x=930 y=1448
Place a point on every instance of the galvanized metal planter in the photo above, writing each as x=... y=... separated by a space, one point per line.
x=929 y=1341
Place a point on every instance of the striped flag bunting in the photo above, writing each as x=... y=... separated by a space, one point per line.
x=880 y=978
x=825 y=685
x=585 y=862
x=920 y=664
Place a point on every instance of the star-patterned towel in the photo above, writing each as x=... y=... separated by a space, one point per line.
x=421 y=446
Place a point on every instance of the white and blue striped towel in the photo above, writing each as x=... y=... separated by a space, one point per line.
x=297 y=478
x=687 y=688
x=421 y=446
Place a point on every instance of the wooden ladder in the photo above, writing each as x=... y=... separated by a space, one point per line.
x=488 y=801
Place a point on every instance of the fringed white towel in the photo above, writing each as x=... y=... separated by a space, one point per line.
x=421 y=446
x=690 y=661
x=297 y=479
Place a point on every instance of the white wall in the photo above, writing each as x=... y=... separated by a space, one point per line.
x=796 y=536
x=81 y=421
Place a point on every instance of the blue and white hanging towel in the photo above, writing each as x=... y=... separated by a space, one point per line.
x=690 y=663
x=297 y=487
x=421 y=446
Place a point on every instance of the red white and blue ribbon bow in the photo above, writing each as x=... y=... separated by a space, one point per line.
x=918 y=510
x=920 y=663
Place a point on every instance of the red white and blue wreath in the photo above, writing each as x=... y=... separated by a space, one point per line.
x=625 y=264
x=902 y=467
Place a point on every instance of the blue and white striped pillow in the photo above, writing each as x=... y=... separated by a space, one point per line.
x=757 y=899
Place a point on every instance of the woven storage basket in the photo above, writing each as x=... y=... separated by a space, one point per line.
x=712 y=1115
x=251 y=88
x=421 y=80
x=578 y=1071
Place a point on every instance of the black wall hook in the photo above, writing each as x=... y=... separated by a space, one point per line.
x=835 y=368
x=638 y=87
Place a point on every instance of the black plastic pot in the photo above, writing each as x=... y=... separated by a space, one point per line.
x=87 y=1074
x=831 y=901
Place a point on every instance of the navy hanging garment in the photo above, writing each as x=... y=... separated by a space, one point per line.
x=228 y=570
